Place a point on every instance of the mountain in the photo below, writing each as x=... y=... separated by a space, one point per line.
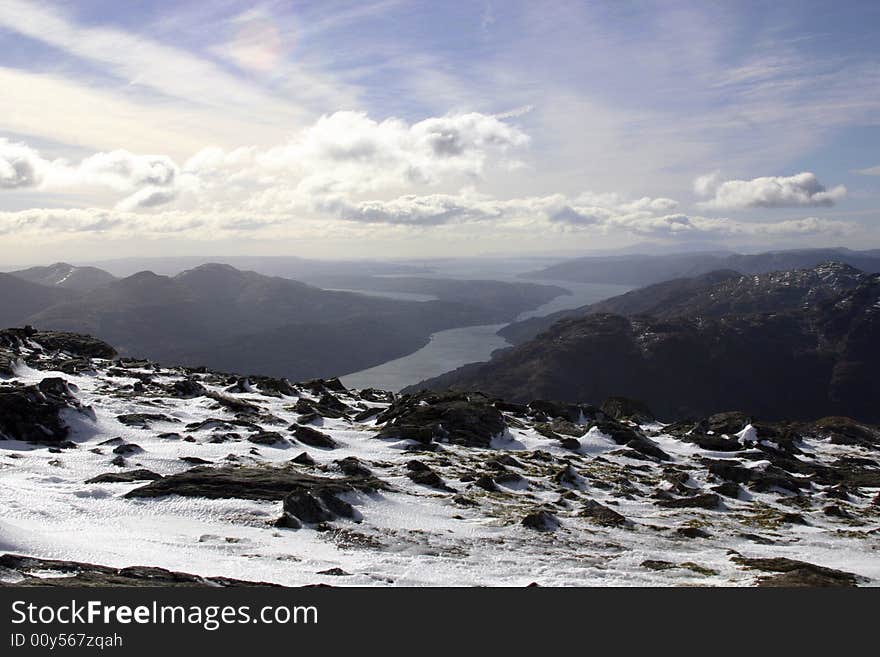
x=648 y=269
x=800 y=361
x=714 y=294
x=214 y=314
x=144 y=473
x=19 y=299
x=67 y=276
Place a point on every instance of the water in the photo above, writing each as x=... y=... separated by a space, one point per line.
x=399 y=296
x=446 y=351
x=453 y=348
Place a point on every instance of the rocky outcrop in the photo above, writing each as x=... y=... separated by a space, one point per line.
x=458 y=418
x=33 y=413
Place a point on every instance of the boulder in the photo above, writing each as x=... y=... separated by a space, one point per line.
x=32 y=412
x=456 y=417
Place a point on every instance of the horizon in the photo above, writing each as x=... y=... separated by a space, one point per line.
x=394 y=130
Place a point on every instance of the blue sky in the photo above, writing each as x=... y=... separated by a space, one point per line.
x=410 y=128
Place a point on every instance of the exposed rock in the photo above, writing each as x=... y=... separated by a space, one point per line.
x=251 y=483
x=459 y=418
x=623 y=408
x=267 y=438
x=312 y=437
x=602 y=515
x=124 y=477
x=51 y=572
x=32 y=412
x=705 y=501
x=143 y=420
x=542 y=521
x=795 y=573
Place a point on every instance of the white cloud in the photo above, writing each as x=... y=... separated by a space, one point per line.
x=870 y=171
x=20 y=165
x=801 y=190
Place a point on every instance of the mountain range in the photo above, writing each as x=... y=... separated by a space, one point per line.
x=797 y=344
x=647 y=269
x=218 y=316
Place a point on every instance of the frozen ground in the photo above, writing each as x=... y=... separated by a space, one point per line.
x=411 y=534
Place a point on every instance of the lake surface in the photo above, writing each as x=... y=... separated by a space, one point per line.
x=453 y=348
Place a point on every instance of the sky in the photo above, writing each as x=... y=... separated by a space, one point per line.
x=411 y=128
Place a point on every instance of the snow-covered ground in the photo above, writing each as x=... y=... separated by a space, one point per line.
x=411 y=535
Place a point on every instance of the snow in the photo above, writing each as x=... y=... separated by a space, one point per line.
x=411 y=536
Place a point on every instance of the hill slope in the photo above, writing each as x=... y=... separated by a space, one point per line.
x=648 y=269
x=796 y=363
x=68 y=276
x=713 y=294
x=214 y=314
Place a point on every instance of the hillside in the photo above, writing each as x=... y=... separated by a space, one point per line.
x=648 y=269
x=19 y=299
x=213 y=314
x=714 y=294
x=796 y=362
x=68 y=276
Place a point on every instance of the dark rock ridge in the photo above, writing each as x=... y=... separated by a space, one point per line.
x=32 y=413
x=802 y=363
x=459 y=418
x=19 y=571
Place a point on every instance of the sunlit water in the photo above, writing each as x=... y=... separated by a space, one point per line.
x=453 y=348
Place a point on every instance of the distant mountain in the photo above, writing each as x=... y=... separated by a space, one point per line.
x=713 y=294
x=67 y=276
x=19 y=299
x=817 y=355
x=214 y=313
x=648 y=269
x=301 y=269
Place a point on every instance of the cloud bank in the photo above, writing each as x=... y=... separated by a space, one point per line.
x=801 y=190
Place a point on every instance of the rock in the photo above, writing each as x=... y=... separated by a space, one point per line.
x=845 y=431
x=463 y=500
x=656 y=564
x=187 y=389
x=428 y=478
x=542 y=521
x=759 y=479
x=251 y=483
x=692 y=532
x=417 y=466
x=312 y=437
x=51 y=572
x=728 y=489
x=796 y=573
x=287 y=521
x=267 y=438
x=124 y=477
x=487 y=483
x=143 y=420
x=554 y=409
x=623 y=408
x=704 y=501
x=455 y=417
x=334 y=572
x=194 y=460
x=33 y=413
x=304 y=459
x=353 y=467
x=127 y=448
x=306 y=508
x=76 y=344
x=632 y=437
x=602 y=515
